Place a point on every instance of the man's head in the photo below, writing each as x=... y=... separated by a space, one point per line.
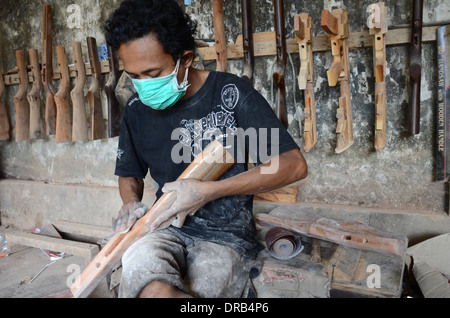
x=163 y=19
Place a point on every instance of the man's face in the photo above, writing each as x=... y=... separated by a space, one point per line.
x=145 y=58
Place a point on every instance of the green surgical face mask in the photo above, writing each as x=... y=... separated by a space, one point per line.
x=161 y=92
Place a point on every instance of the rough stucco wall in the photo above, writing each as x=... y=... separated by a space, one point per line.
x=400 y=177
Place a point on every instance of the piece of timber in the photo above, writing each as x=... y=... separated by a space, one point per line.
x=415 y=70
x=286 y=194
x=37 y=129
x=80 y=130
x=247 y=43
x=97 y=125
x=82 y=229
x=220 y=38
x=86 y=250
x=303 y=36
x=354 y=235
x=280 y=64
x=209 y=165
x=20 y=100
x=379 y=29
x=63 y=124
x=336 y=25
x=114 y=113
x=4 y=121
x=47 y=71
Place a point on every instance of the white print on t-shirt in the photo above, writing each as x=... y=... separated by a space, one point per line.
x=213 y=126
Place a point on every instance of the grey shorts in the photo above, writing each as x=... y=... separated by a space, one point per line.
x=197 y=267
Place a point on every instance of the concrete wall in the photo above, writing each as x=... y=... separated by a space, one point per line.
x=400 y=178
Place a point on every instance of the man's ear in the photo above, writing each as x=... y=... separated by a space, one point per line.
x=187 y=58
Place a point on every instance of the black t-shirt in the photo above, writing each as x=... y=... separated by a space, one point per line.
x=164 y=142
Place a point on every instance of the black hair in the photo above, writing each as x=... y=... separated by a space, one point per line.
x=165 y=19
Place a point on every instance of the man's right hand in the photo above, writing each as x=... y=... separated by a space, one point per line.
x=128 y=215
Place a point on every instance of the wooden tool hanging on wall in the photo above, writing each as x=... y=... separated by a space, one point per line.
x=63 y=123
x=80 y=130
x=47 y=71
x=20 y=100
x=378 y=28
x=114 y=113
x=303 y=36
x=37 y=129
x=96 y=110
x=280 y=64
x=415 y=70
x=336 y=25
x=220 y=38
x=247 y=41
x=4 y=121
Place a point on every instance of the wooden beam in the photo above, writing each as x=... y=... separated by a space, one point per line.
x=83 y=229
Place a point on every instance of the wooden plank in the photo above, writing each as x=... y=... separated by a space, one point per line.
x=83 y=229
x=283 y=195
x=88 y=251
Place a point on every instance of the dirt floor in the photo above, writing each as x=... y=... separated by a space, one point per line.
x=20 y=277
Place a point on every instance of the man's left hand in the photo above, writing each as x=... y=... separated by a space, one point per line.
x=191 y=195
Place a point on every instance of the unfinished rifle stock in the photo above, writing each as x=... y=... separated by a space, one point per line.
x=378 y=29
x=415 y=70
x=247 y=41
x=209 y=165
x=47 y=71
x=303 y=36
x=220 y=38
x=37 y=130
x=63 y=125
x=4 y=122
x=20 y=100
x=280 y=64
x=95 y=101
x=80 y=123
x=336 y=25
x=114 y=114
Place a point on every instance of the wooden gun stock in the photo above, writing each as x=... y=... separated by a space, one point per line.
x=94 y=97
x=278 y=75
x=221 y=40
x=63 y=125
x=247 y=43
x=47 y=71
x=114 y=113
x=303 y=36
x=379 y=29
x=336 y=25
x=37 y=130
x=413 y=125
x=20 y=100
x=4 y=122
x=80 y=124
x=208 y=166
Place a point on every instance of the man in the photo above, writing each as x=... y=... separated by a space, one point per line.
x=209 y=249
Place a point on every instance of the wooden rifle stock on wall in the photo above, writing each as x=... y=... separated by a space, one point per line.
x=207 y=166
x=220 y=38
x=37 y=130
x=413 y=125
x=95 y=101
x=47 y=71
x=114 y=113
x=20 y=100
x=63 y=125
x=247 y=43
x=4 y=122
x=280 y=64
x=79 y=121
x=336 y=25
x=303 y=36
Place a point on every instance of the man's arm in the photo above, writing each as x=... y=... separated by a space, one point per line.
x=131 y=191
x=280 y=171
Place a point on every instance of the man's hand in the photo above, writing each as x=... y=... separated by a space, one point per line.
x=191 y=195
x=128 y=215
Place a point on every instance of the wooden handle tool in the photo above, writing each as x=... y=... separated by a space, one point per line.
x=80 y=131
x=20 y=100
x=4 y=121
x=63 y=116
x=37 y=129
